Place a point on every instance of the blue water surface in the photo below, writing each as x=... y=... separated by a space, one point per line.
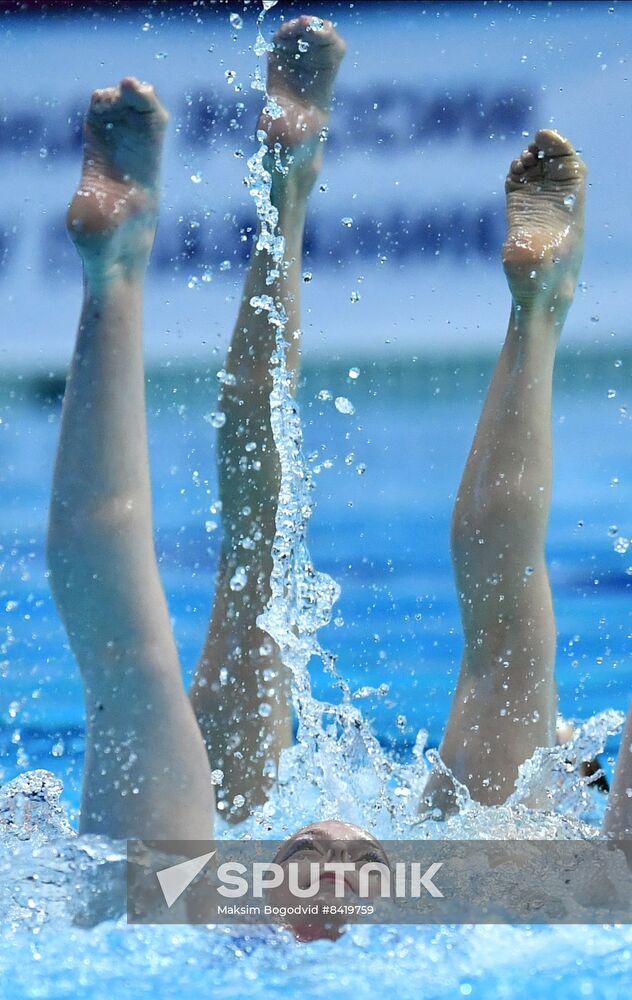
x=380 y=528
x=385 y=479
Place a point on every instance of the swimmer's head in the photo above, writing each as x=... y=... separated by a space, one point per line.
x=328 y=841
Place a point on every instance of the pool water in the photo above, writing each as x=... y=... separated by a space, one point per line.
x=385 y=480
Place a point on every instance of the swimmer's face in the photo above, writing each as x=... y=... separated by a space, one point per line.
x=329 y=841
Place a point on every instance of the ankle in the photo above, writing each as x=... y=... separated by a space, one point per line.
x=539 y=314
x=104 y=282
x=290 y=192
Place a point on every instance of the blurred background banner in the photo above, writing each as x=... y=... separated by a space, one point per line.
x=405 y=225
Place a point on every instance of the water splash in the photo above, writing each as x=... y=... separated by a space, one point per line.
x=47 y=872
x=338 y=768
x=336 y=747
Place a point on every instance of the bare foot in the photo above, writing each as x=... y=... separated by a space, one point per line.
x=112 y=216
x=301 y=73
x=545 y=214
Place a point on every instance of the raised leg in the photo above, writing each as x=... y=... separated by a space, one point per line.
x=146 y=770
x=504 y=704
x=241 y=690
x=618 y=818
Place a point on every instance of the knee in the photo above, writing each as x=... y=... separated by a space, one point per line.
x=506 y=516
x=91 y=532
x=473 y=525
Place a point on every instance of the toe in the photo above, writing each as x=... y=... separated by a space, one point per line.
x=517 y=167
x=552 y=143
x=528 y=159
x=560 y=160
x=316 y=30
x=137 y=95
x=102 y=99
x=322 y=30
x=294 y=28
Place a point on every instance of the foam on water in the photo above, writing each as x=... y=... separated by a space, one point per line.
x=53 y=883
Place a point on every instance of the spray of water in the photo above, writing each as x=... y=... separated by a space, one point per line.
x=336 y=747
x=337 y=767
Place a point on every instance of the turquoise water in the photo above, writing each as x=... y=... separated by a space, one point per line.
x=383 y=535
x=385 y=479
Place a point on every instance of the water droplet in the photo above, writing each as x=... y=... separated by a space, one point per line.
x=239 y=800
x=529 y=571
x=347 y=221
x=217 y=776
x=612 y=393
x=216 y=419
x=594 y=319
x=236 y=21
x=622 y=545
x=307 y=276
x=344 y=405
x=303 y=46
x=43 y=153
x=355 y=296
x=225 y=265
x=613 y=530
x=196 y=178
x=361 y=468
x=570 y=200
x=230 y=75
x=239 y=579
x=268 y=4
x=161 y=55
x=618 y=363
x=265 y=709
x=324 y=395
x=316 y=24
x=146 y=26
x=354 y=373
